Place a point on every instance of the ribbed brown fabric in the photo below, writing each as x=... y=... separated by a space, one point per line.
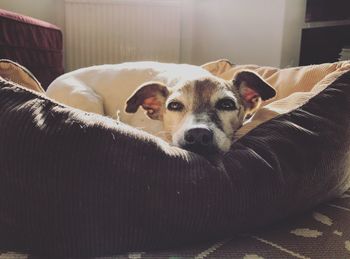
x=77 y=184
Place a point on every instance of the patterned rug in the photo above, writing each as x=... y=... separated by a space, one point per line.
x=321 y=233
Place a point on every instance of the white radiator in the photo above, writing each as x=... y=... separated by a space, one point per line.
x=114 y=31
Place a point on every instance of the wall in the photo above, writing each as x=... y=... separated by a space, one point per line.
x=248 y=31
x=244 y=31
x=294 y=14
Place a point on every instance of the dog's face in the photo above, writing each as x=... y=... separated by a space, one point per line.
x=202 y=115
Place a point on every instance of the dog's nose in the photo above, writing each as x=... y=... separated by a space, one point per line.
x=200 y=137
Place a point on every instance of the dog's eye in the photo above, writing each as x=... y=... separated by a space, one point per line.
x=226 y=105
x=175 y=106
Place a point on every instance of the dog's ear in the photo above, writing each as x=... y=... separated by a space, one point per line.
x=151 y=96
x=253 y=88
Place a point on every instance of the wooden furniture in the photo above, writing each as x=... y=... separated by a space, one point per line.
x=33 y=43
x=326 y=31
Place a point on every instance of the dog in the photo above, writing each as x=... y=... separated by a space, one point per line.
x=188 y=106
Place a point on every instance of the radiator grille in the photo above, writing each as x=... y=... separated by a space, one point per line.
x=114 y=31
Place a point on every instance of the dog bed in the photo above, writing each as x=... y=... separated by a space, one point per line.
x=79 y=184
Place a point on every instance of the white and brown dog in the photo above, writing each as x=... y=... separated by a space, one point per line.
x=190 y=107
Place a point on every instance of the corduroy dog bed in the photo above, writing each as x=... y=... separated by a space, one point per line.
x=78 y=184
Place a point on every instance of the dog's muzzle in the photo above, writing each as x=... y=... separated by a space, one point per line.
x=199 y=140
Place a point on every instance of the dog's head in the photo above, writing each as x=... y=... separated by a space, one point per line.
x=202 y=115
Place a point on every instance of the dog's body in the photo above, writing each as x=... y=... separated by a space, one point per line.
x=189 y=106
x=104 y=89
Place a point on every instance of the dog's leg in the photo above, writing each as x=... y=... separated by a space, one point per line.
x=86 y=100
x=83 y=98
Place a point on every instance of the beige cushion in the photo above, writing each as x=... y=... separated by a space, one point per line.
x=294 y=86
x=18 y=74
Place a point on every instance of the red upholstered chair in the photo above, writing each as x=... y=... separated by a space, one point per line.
x=33 y=43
